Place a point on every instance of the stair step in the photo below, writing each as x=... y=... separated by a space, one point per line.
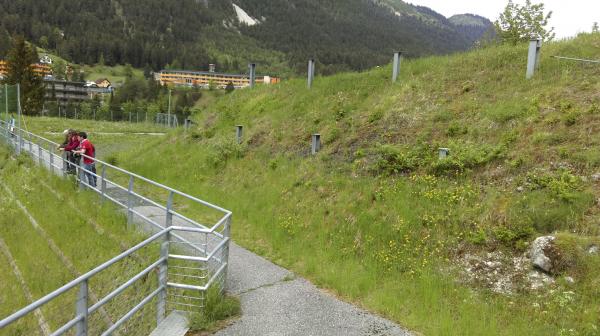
x=175 y=324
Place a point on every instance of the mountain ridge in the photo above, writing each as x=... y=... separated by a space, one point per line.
x=342 y=35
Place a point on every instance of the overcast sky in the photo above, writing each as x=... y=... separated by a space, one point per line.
x=569 y=17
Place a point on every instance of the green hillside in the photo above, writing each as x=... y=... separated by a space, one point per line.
x=378 y=219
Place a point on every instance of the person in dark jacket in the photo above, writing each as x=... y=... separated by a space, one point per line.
x=88 y=163
x=72 y=145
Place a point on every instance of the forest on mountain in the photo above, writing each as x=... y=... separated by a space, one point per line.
x=342 y=35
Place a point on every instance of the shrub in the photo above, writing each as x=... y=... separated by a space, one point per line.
x=223 y=150
x=455 y=129
x=467 y=156
x=394 y=160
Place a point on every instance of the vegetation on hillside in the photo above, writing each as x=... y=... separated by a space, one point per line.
x=377 y=218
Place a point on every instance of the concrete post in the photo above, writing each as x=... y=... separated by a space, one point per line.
x=252 y=67
x=239 y=130
x=533 y=58
x=316 y=143
x=311 y=72
x=444 y=153
x=396 y=65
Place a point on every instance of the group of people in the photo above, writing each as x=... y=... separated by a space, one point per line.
x=78 y=148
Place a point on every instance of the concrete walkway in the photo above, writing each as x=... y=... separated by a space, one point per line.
x=275 y=302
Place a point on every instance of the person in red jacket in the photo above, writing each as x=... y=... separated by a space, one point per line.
x=72 y=145
x=86 y=148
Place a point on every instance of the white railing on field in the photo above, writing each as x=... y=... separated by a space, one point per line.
x=190 y=246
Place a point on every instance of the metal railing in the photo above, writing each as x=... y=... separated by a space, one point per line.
x=197 y=254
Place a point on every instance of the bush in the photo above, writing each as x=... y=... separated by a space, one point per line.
x=223 y=150
x=467 y=156
x=393 y=160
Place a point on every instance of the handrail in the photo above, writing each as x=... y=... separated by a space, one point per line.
x=180 y=193
x=577 y=59
x=72 y=284
x=25 y=140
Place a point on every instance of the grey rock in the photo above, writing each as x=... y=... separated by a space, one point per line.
x=520 y=189
x=537 y=253
x=593 y=249
x=569 y=280
x=596 y=177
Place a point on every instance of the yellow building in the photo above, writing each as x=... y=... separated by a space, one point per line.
x=41 y=69
x=206 y=78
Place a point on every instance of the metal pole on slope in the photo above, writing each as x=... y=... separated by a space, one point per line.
x=396 y=67
x=311 y=72
x=533 y=58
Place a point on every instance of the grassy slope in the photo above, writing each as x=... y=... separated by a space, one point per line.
x=74 y=234
x=377 y=218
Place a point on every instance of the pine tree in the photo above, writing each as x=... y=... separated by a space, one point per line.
x=20 y=59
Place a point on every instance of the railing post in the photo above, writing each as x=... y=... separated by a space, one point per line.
x=81 y=175
x=51 y=160
x=40 y=153
x=103 y=183
x=130 y=202
x=163 y=271
x=81 y=309
x=169 y=218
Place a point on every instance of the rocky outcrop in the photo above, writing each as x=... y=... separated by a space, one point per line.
x=541 y=253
